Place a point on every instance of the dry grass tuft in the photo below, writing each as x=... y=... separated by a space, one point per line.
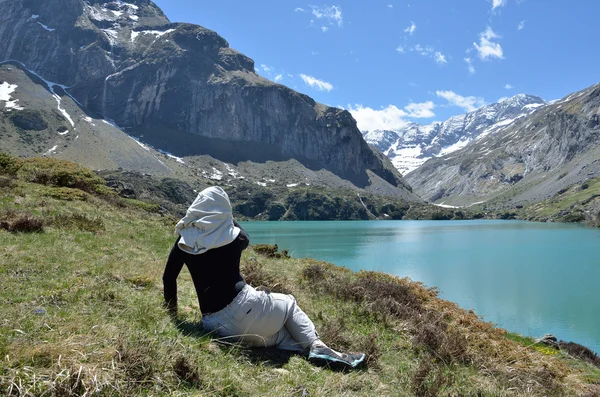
x=428 y=379
x=434 y=335
x=21 y=222
x=187 y=372
x=137 y=362
x=255 y=274
x=369 y=345
x=334 y=332
x=69 y=384
x=380 y=295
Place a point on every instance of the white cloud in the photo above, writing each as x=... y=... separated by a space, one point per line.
x=439 y=57
x=430 y=52
x=468 y=103
x=333 y=14
x=470 y=66
x=400 y=49
x=508 y=87
x=486 y=47
x=420 y=110
x=521 y=25
x=368 y=119
x=266 y=68
x=411 y=29
x=391 y=117
x=279 y=77
x=298 y=9
x=498 y=3
x=390 y=6
x=425 y=51
x=316 y=83
x=324 y=29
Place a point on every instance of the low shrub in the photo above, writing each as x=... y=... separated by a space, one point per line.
x=574 y=217
x=141 y=205
x=68 y=194
x=379 y=294
x=270 y=251
x=255 y=275
x=9 y=165
x=21 y=222
x=30 y=120
x=61 y=173
x=6 y=182
x=580 y=351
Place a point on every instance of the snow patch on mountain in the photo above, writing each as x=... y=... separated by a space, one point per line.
x=112 y=11
x=6 y=91
x=155 y=33
x=46 y=27
x=412 y=145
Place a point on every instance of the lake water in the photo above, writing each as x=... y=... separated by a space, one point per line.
x=531 y=278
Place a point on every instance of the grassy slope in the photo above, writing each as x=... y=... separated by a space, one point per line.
x=580 y=202
x=80 y=310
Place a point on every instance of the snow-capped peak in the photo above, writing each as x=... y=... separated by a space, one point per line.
x=413 y=144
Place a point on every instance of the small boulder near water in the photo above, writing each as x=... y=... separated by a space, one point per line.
x=549 y=340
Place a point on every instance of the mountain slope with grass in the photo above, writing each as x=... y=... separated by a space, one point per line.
x=81 y=313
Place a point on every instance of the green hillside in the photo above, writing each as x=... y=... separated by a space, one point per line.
x=81 y=313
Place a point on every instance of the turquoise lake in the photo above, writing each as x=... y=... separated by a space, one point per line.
x=530 y=278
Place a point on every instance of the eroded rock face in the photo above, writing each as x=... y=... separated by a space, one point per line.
x=180 y=86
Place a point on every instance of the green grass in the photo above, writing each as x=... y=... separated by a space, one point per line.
x=81 y=312
x=567 y=200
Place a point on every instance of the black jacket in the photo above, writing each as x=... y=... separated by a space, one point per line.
x=215 y=273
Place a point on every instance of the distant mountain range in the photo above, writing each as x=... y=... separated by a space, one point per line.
x=412 y=145
x=536 y=155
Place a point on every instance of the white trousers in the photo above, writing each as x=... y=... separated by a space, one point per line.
x=257 y=318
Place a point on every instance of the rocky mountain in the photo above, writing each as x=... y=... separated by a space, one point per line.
x=412 y=145
x=36 y=121
x=529 y=160
x=179 y=88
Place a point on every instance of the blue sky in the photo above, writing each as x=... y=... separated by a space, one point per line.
x=390 y=62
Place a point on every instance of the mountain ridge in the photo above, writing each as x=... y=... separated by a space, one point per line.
x=411 y=146
x=531 y=160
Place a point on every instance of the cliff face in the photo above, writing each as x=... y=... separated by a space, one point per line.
x=180 y=86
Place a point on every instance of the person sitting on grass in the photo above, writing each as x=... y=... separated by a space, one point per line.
x=210 y=244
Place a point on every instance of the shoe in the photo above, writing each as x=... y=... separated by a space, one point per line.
x=326 y=356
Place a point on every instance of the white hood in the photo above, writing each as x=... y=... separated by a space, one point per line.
x=208 y=222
